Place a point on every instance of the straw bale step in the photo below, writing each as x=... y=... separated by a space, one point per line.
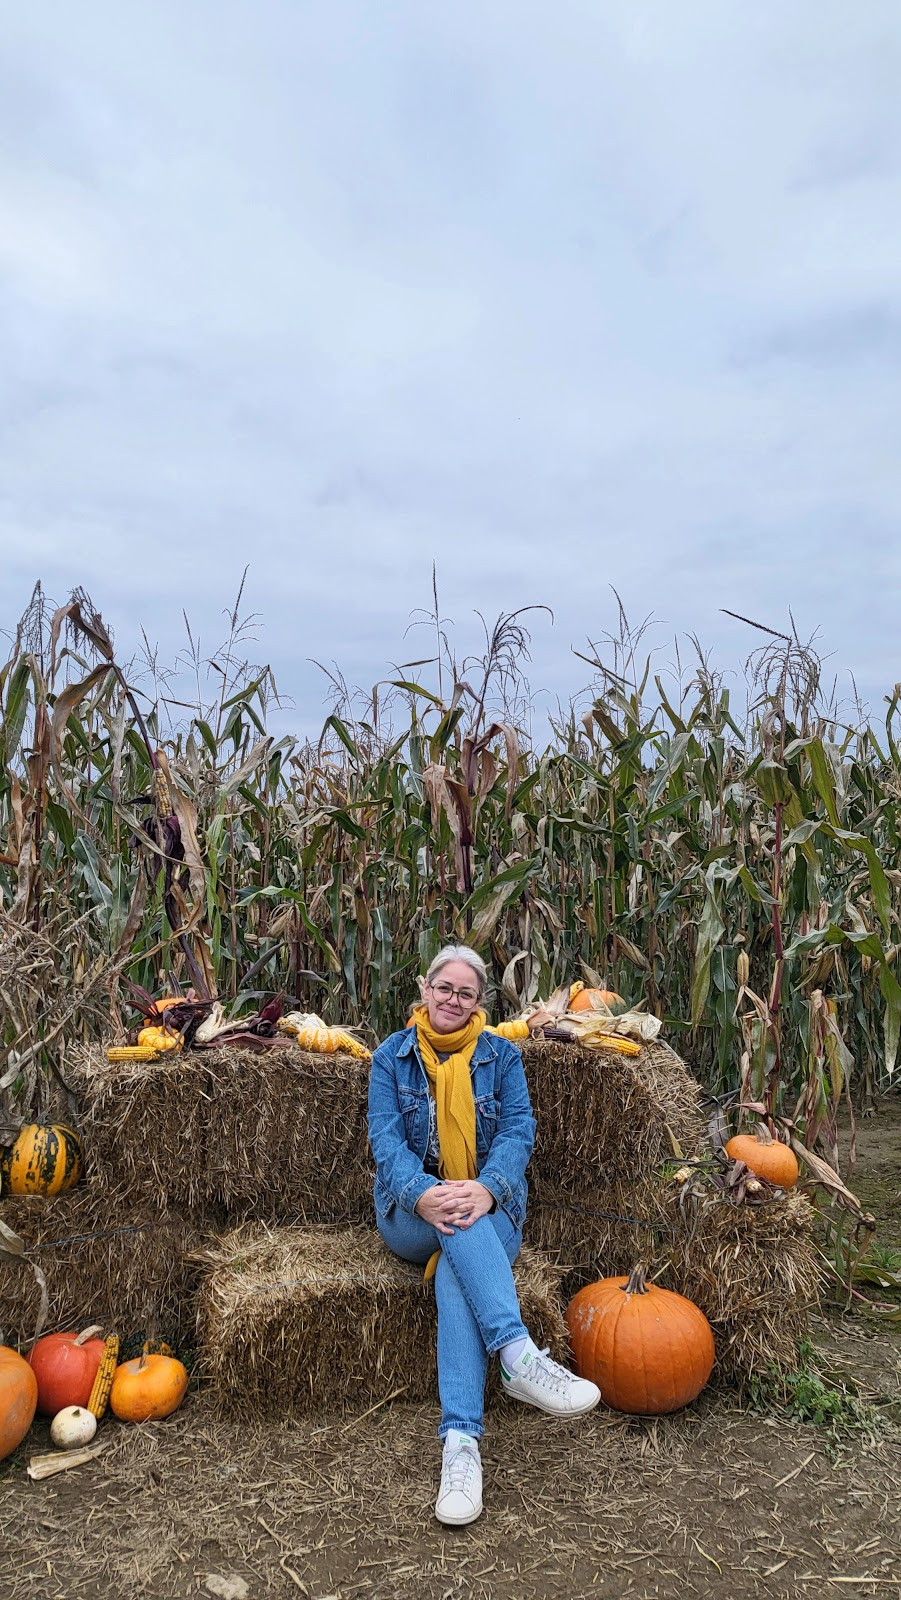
x=280 y=1136
x=94 y=1271
x=295 y=1320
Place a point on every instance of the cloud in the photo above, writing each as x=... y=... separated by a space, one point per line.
x=560 y=298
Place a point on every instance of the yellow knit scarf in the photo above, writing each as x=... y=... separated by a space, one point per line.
x=451 y=1086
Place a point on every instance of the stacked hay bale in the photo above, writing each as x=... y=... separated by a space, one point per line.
x=611 y=1129
x=177 y=1151
x=229 y=1197
x=298 y=1318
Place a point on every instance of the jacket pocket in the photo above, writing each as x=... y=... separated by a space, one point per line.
x=487 y=1118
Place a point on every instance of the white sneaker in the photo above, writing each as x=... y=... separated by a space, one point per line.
x=539 y=1381
x=460 y=1495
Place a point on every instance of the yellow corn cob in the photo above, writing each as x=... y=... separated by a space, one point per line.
x=103 y=1382
x=132 y=1052
x=611 y=1041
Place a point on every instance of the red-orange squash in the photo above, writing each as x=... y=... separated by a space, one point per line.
x=765 y=1156
x=148 y=1386
x=586 y=999
x=65 y=1365
x=18 y=1399
x=648 y=1350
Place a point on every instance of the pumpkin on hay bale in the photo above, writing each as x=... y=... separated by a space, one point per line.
x=294 y=1320
x=117 y=1279
x=274 y=1136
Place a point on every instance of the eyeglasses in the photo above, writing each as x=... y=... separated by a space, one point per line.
x=446 y=991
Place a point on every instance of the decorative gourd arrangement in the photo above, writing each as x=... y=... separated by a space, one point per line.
x=149 y=1386
x=66 y=1365
x=45 y=1159
x=649 y=1350
x=18 y=1399
x=765 y=1156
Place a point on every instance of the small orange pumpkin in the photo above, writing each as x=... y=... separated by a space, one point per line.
x=588 y=999
x=648 y=1350
x=149 y=1386
x=65 y=1365
x=18 y=1399
x=765 y=1156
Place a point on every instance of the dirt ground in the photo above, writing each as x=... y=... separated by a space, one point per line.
x=719 y=1501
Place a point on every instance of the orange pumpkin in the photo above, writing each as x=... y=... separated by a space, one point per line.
x=157 y=1007
x=18 y=1399
x=149 y=1386
x=587 y=999
x=648 y=1350
x=765 y=1156
x=65 y=1365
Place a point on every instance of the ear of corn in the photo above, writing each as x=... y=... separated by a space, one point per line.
x=103 y=1382
x=133 y=1052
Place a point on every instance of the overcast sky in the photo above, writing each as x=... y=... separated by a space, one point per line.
x=560 y=295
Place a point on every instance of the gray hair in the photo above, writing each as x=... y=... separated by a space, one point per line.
x=459 y=952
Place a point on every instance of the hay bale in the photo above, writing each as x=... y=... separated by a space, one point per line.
x=753 y=1270
x=279 y=1135
x=123 y=1279
x=573 y=1227
x=606 y=1119
x=755 y=1274
x=294 y=1319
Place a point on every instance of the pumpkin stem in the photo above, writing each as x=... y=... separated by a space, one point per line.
x=636 y=1283
x=763 y=1134
x=95 y=1331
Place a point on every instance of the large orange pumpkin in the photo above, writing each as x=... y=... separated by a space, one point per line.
x=65 y=1365
x=44 y=1160
x=18 y=1399
x=587 y=999
x=149 y=1386
x=765 y=1156
x=648 y=1350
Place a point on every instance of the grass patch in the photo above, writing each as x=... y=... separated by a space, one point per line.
x=828 y=1400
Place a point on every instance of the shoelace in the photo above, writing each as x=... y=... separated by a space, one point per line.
x=549 y=1373
x=458 y=1470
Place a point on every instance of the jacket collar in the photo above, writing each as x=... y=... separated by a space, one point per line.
x=485 y=1050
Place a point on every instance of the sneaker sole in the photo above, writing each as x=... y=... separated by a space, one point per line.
x=459 y=1522
x=550 y=1411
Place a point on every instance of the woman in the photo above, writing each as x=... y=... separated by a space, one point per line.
x=451 y=1129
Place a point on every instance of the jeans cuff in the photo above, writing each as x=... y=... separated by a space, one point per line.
x=476 y=1429
x=517 y=1331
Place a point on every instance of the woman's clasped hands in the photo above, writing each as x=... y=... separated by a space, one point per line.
x=454 y=1203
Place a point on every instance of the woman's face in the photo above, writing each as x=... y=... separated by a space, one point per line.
x=453 y=997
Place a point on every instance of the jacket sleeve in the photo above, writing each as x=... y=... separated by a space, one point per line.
x=400 y=1170
x=511 y=1147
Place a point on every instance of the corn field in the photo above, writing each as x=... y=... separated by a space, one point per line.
x=733 y=871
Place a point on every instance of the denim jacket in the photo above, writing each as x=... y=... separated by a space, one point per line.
x=399 y=1123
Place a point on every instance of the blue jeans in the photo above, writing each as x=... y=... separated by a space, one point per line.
x=478 y=1308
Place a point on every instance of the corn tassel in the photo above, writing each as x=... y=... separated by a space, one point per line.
x=103 y=1382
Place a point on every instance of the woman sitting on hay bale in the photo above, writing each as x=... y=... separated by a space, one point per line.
x=451 y=1129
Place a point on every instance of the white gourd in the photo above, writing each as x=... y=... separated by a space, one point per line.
x=72 y=1427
